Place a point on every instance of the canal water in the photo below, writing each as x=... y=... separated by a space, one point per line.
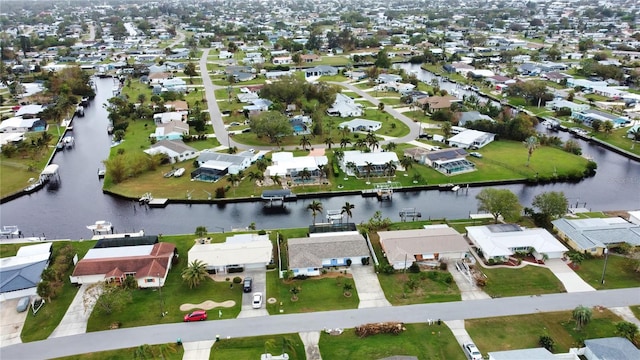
x=79 y=201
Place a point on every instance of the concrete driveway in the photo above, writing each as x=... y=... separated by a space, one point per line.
x=11 y=322
x=259 y=285
x=571 y=281
x=368 y=286
x=468 y=289
x=75 y=319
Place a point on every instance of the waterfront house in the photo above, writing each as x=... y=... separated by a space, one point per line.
x=321 y=70
x=361 y=125
x=471 y=138
x=467 y=117
x=29 y=111
x=434 y=103
x=502 y=241
x=220 y=164
x=172 y=130
x=360 y=161
x=20 y=274
x=148 y=264
x=430 y=245
x=285 y=164
x=308 y=256
x=176 y=150
x=166 y=117
x=596 y=235
x=18 y=124
x=238 y=253
x=617 y=348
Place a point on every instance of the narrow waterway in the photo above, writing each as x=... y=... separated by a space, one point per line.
x=79 y=201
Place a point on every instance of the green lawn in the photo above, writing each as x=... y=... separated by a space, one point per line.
x=420 y=340
x=503 y=282
x=617 y=275
x=253 y=347
x=407 y=288
x=41 y=325
x=618 y=138
x=174 y=293
x=169 y=352
x=636 y=310
x=524 y=331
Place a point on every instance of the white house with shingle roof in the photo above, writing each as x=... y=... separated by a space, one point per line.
x=176 y=150
x=307 y=256
x=344 y=106
x=248 y=251
x=431 y=244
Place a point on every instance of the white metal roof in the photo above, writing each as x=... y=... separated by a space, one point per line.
x=116 y=252
x=501 y=243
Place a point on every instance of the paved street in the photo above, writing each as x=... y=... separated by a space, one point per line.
x=279 y=324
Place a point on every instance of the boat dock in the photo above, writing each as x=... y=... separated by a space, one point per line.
x=409 y=213
x=277 y=197
x=158 y=203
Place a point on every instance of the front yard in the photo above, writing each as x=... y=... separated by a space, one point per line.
x=424 y=287
x=253 y=347
x=618 y=274
x=529 y=280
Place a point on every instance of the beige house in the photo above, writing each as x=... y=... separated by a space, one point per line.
x=432 y=244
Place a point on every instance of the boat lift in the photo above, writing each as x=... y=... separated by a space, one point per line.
x=411 y=213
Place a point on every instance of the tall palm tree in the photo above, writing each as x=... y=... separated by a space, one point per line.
x=390 y=169
x=390 y=146
x=305 y=174
x=323 y=170
x=346 y=209
x=344 y=142
x=361 y=143
x=372 y=140
x=315 y=207
x=531 y=144
x=345 y=131
x=234 y=179
x=262 y=164
x=353 y=167
x=328 y=141
x=635 y=136
x=255 y=176
x=368 y=168
x=339 y=154
x=406 y=162
x=276 y=179
x=304 y=142
x=582 y=315
x=195 y=273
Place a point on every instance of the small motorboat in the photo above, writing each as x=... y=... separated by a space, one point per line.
x=100 y=226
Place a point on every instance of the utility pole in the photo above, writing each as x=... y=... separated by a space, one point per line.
x=161 y=299
x=604 y=268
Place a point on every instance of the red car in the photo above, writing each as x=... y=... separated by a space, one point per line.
x=198 y=315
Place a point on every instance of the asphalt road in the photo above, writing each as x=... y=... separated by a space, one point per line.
x=279 y=324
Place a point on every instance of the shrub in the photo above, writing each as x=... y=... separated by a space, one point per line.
x=414 y=268
x=432 y=275
x=546 y=342
x=262 y=232
x=446 y=278
x=237 y=280
x=443 y=266
x=491 y=261
x=220 y=192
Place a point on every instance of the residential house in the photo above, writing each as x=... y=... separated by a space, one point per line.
x=321 y=70
x=355 y=162
x=309 y=58
x=361 y=125
x=589 y=115
x=596 y=235
x=480 y=73
x=434 y=243
x=148 y=264
x=634 y=217
x=449 y=161
x=285 y=164
x=177 y=105
x=502 y=241
x=175 y=84
x=176 y=150
x=308 y=256
x=166 y=117
x=435 y=103
x=20 y=274
x=471 y=138
x=459 y=68
x=345 y=106
x=471 y=116
x=282 y=60
x=172 y=130
x=215 y=164
x=20 y=125
x=529 y=69
x=270 y=75
x=610 y=348
x=257 y=106
x=29 y=111
x=158 y=78
x=388 y=78
x=559 y=103
x=555 y=76
x=239 y=252
x=534 y=353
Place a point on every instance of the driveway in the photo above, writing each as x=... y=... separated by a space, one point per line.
x=368 y=286
x=571 y=281
x=259 y=285
x=11 y=322
x=468 y=288
x=75 y=319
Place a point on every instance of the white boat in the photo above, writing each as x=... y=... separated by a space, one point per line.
x=455 y=188
x=100 y=226
x=179 y=172
x=10 y=230
x=68 y=141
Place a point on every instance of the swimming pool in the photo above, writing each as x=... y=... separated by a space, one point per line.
x=298 y=128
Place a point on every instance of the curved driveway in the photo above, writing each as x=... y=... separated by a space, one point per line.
x=280 y=324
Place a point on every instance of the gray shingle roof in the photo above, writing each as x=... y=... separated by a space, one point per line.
x=613 y=348
x=590 y=233
x=309 y=252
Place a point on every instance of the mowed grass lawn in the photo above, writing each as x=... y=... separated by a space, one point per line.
x=529 y=280
x=619 y=274
x=145 y=309
x=420 y=340
x=169 y=352
x=524 y=331
x=253 y=347
x=408 y=288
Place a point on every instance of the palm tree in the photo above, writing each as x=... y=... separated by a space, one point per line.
x=141 y=99
x=276 y=179
x=255 y=176
x=304 y=142
x=582 y=315
x=195 y=273
x=262 y=164
x=446 y=129
x=531 y=144
x=323 y=170
x=315 y=207
x=305 y=175
x=234 y=179
x=390 y=168
x=328 y=141
x=344 y=142
x=361 y=143
x=346 y=209
x=368 y=167
x=372 y=140
x=391 y=146
x=635 y=135
x=406 y=162
x=353 y=167
x=339 y=154
x=607 y=126
x=201 y=231
x=345 y=131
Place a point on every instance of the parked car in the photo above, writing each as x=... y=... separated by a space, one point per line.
x=198 y=315
x=257 y=300
x=247 y=286
x=23 y=304
x=472 y=351
x=475 y=154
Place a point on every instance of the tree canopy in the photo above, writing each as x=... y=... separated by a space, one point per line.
x=552 y=204
x=271 y=124
x=499 y=202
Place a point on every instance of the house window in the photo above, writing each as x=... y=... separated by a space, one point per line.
x=149 y=280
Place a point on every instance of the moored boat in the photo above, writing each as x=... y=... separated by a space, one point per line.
x=100 y=226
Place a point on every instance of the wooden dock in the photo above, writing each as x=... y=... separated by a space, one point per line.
x=158 y=203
